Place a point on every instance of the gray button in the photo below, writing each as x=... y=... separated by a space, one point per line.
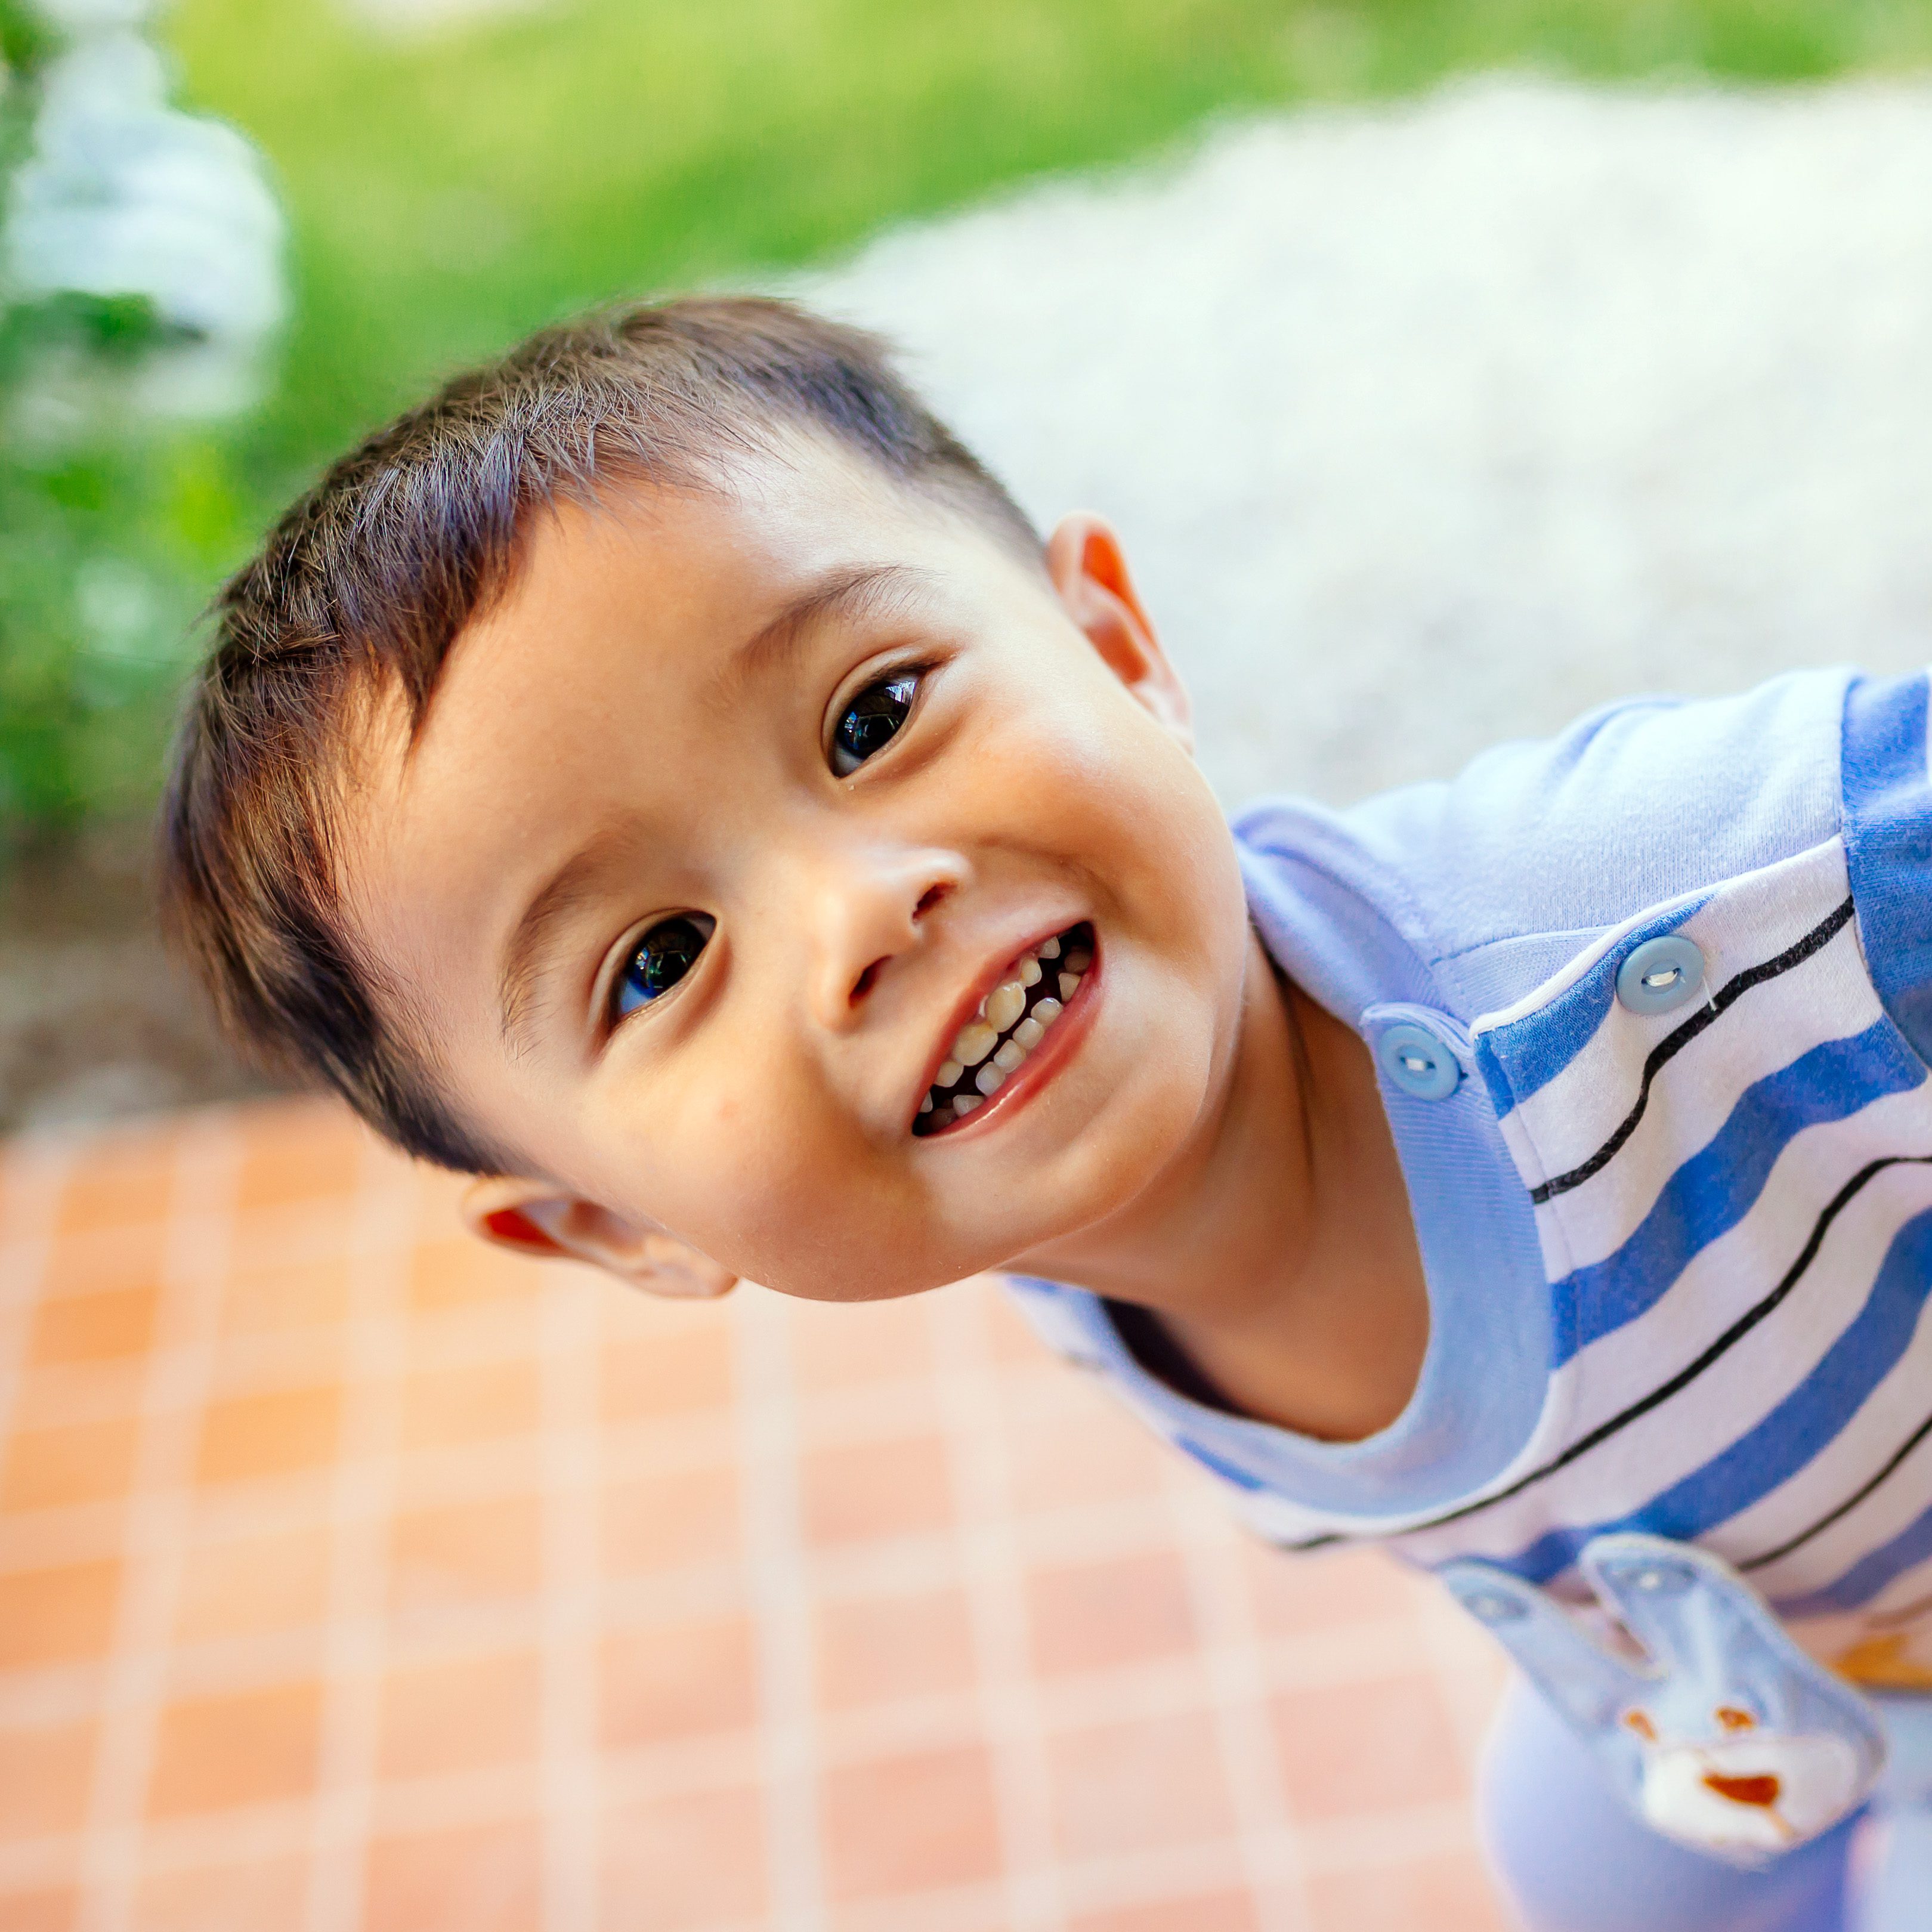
x=1659 y=975
x=1418 y=1062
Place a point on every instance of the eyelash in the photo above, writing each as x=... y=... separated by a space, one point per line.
x=675 y=945
x=903 y=684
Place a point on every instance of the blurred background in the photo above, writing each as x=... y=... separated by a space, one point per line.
x=1517 y=327
x=1449 y=365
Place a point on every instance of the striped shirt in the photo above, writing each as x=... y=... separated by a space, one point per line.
x=1678 y=1261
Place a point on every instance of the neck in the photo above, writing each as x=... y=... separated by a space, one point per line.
x=1279 y=1249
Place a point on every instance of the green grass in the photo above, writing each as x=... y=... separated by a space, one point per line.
x=446 y=194
x=450 y=194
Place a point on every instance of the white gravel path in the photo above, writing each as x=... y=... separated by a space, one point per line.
x=1435 y=424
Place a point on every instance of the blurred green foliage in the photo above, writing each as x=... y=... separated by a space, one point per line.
x=106 y=543
x=450 y=189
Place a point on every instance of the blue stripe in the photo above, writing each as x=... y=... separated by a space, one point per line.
x=1787 y=1439
x=1888 y=843
x=1529 y=1053
x=1714 y=1189
x=1865 y=1580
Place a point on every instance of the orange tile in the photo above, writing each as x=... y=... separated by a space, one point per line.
x=1078 y=1449
x=97 y=1261
x=76 y=1462
x=238 y=1747
x=117 y=1187
x=247 y=1585
x=683 y=1861
x=459 y=1713
x=1124 y=1788
x=484 y=1878
x=1447 y=1894
x=443 y=1407
x=678 y=1680
x=1216 y=1911
x=298 y=1154
x=1015 y=1344
x=836 y=1347
x=45 y=1398
x=873 y=1489
x=879 y=1649
x=1095 y=1616
x=1364 y=1748
x=250 y=1895
x=40 y=1911
x=43 y=1780
x=247 y=1437
x=457 y=1553
x=291 y=1294
x=105 y=1325
x=460 y=1271
x=1339 y=1589
x=910 y=1823
x=671 y=1522
x=676 y=1371
x=60 y=1615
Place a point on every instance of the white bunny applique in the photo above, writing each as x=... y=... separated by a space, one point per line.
x=1725 y=1736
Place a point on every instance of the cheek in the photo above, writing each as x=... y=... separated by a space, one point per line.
x=720 y=1161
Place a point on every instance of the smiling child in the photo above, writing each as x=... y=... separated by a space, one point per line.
x=667 y=778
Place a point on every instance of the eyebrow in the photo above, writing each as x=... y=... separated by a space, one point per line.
x=842 y=593
x=565 y=890
x=859 y=588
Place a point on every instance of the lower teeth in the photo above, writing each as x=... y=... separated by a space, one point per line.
x=991 y=1066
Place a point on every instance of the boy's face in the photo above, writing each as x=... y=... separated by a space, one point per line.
x=833 y=761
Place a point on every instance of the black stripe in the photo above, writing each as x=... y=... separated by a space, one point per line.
x=1667 y=1049
x=1685 y=1376
x=1850 y=1503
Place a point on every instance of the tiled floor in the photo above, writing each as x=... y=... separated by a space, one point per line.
x=351 y=1576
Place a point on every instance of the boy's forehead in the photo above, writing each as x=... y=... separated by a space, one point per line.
x=697 y=569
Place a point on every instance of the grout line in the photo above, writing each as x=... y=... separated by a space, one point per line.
x=569 y=1333
x=375 y=1352
x=995 y=1579
x=767 y=1420
x=1231 y=1655
x=160 y=1510
x=29 y=1208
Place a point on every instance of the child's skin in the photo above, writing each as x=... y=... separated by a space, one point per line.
x=1195 y=1135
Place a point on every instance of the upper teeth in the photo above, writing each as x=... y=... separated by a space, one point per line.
x=978 y=1044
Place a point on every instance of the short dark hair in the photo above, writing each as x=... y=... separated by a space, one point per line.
x=364 y=585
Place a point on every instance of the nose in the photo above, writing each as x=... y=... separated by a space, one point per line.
x=865 y=906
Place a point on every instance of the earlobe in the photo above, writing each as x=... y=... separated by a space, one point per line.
x=536 y=1218
x=1089 y=570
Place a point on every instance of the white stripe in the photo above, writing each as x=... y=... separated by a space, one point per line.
x=1752 y=918
x=1727 y=1277
x=1893 y=1413
x=1827 y=998
x=1893 y=1507
x=1680 y=1436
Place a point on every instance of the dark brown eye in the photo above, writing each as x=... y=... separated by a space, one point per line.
x=662 y=958
x=871 y=720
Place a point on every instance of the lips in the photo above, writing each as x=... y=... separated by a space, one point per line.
x=1012 y=1020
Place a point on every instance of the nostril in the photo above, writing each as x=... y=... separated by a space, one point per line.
x=930 y=898
x=864 y=983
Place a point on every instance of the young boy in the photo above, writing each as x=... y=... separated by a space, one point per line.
x=666 y=777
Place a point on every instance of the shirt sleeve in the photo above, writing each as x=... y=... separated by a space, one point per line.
x=1887 y=820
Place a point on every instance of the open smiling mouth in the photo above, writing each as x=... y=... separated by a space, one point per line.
x=1013 y=1018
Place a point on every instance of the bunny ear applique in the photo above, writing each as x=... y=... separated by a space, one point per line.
x=1726 y=1737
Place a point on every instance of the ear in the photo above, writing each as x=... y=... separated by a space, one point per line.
x=537 y=1218
x=1089 y=570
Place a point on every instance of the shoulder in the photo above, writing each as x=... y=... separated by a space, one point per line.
x=1495 y=876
